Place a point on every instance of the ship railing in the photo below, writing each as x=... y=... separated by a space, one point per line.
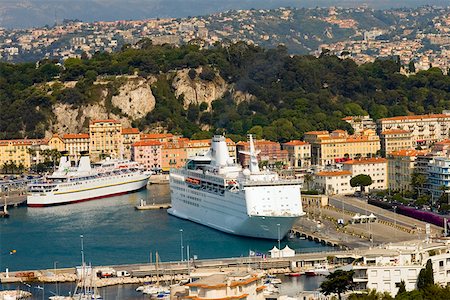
x=198 y=174
x=272 y=182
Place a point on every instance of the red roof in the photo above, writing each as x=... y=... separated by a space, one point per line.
x=296 y=143
x=154 y=136
x=410 y=152
x=333 y=173
x=130 y=131
x=363 y=161
x=395 y=131
x=147 y=143
x=416 y=117
x=76 y=136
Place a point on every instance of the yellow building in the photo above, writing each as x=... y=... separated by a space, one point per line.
x=129 y=137
x=401 y=165
x=75 y=144
x=57 y=143
x=299 y=153
x=17 y=152
x=339 y=146
x=105 y=139
x=394 y=140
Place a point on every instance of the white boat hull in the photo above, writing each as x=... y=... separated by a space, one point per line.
x=227 y=213
x=89 y=190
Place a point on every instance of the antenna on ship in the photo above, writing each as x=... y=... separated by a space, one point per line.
x=253 y=153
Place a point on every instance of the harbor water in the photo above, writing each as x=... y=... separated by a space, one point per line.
x=115 y=233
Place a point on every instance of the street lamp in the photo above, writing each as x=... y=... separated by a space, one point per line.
x=181 y=244
x=278 y=229
x=56 y=283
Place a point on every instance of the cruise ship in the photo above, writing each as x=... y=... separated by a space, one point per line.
x=85 y=182
x=215 y=191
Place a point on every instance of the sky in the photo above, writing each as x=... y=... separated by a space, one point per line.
x=30 y=13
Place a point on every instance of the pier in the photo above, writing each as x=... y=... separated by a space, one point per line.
x=144 y=206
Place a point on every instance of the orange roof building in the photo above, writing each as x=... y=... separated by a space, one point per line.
x=299 y=153
x=425 y=129
x=401 y=165
x=395 y=139
x=338 y=146
x=333 y=182
x=375 y=167
x=270 y=153
x=148 y=153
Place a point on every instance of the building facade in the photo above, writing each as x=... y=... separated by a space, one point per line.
x=394 y=140
x=375 y=167
x=105 y=139
x=333 y=182
x=173 y=154
x=360 y=123
x=425 y=129
x=76 y=144
x=401 y=165
x=148 y=154
x=438 y=175
x=270 y=154
x=129 y=137
x=299 y=154
x=338 y=146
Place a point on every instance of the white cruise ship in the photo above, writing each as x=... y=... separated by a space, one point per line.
x=214 y=191
x=85 y=182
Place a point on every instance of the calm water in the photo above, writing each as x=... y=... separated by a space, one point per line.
x=115 y=233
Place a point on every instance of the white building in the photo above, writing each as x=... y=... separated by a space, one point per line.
x=333 y=182
x=425 y=129
x=376 y=168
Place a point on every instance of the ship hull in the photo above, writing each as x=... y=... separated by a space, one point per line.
x=227 y=213
x=88 y=191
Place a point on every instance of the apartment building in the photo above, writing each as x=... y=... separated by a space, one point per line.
x=105 y=139
x=56 y=142
x=240 y=285
x=339 y=146
x=76 y=144
x=425 y=129
x=129 y=137
x=333 y=182
x=299 y=153
x=438 y=175
x=198 y=147
x=270 y=153
x=17 y=152
x=360 y=123
x=173 y=154
x=394 y=140
x=148 y=154
x=375 y=167
x=401 y=165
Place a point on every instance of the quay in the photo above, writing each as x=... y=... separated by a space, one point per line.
x=144 y=206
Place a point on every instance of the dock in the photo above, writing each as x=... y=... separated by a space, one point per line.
x=154 y=206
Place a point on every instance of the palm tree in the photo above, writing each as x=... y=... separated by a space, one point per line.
x=308 y=179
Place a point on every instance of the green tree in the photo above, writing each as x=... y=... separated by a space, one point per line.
x=417 y=181
x=426 y=277
x=401 y=288
x=361 y=181
x=308 y=179
x=337 y=282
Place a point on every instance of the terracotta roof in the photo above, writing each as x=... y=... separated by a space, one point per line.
x=150 y=136
x=395 y=131
x=317 y=132
x=147 y=143
x=130 y=130
x=408 y=152
x=296 y=143
x=416 y=117
x=76 y=136
x=347 y=119
x=257 y=142
x=363 y=161
x=20 y=142
x=105 y=121
x=333 y=173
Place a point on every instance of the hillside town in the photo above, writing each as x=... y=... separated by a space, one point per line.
x=394 y=152
x=418 y=38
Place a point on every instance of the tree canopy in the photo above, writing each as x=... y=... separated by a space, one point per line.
x=337 y=282
x=361 y=180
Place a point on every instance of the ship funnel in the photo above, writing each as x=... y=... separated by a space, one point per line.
x=253 y=166
x=64 y=163
x=84 y=165
x=219 y=151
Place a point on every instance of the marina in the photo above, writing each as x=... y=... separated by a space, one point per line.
x=115 y=232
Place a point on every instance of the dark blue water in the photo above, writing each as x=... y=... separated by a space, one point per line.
x=115 y=233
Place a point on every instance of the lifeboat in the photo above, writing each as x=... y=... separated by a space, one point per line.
x=193 y=181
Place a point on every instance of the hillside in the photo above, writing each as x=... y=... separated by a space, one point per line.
x=234 y=88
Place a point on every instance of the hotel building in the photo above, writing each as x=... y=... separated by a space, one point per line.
x=299 y=153
x=129 y=137
x=76 y=144
x=105 y=139
x=376 y=168
x=339 y=146
x=401 y=165
x=394 y=140
x=425 y=129
x=147 y=153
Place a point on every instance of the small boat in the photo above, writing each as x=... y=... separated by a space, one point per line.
x=318 y=270
x=270 y=289
x=294 y=274
x=310 y=273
